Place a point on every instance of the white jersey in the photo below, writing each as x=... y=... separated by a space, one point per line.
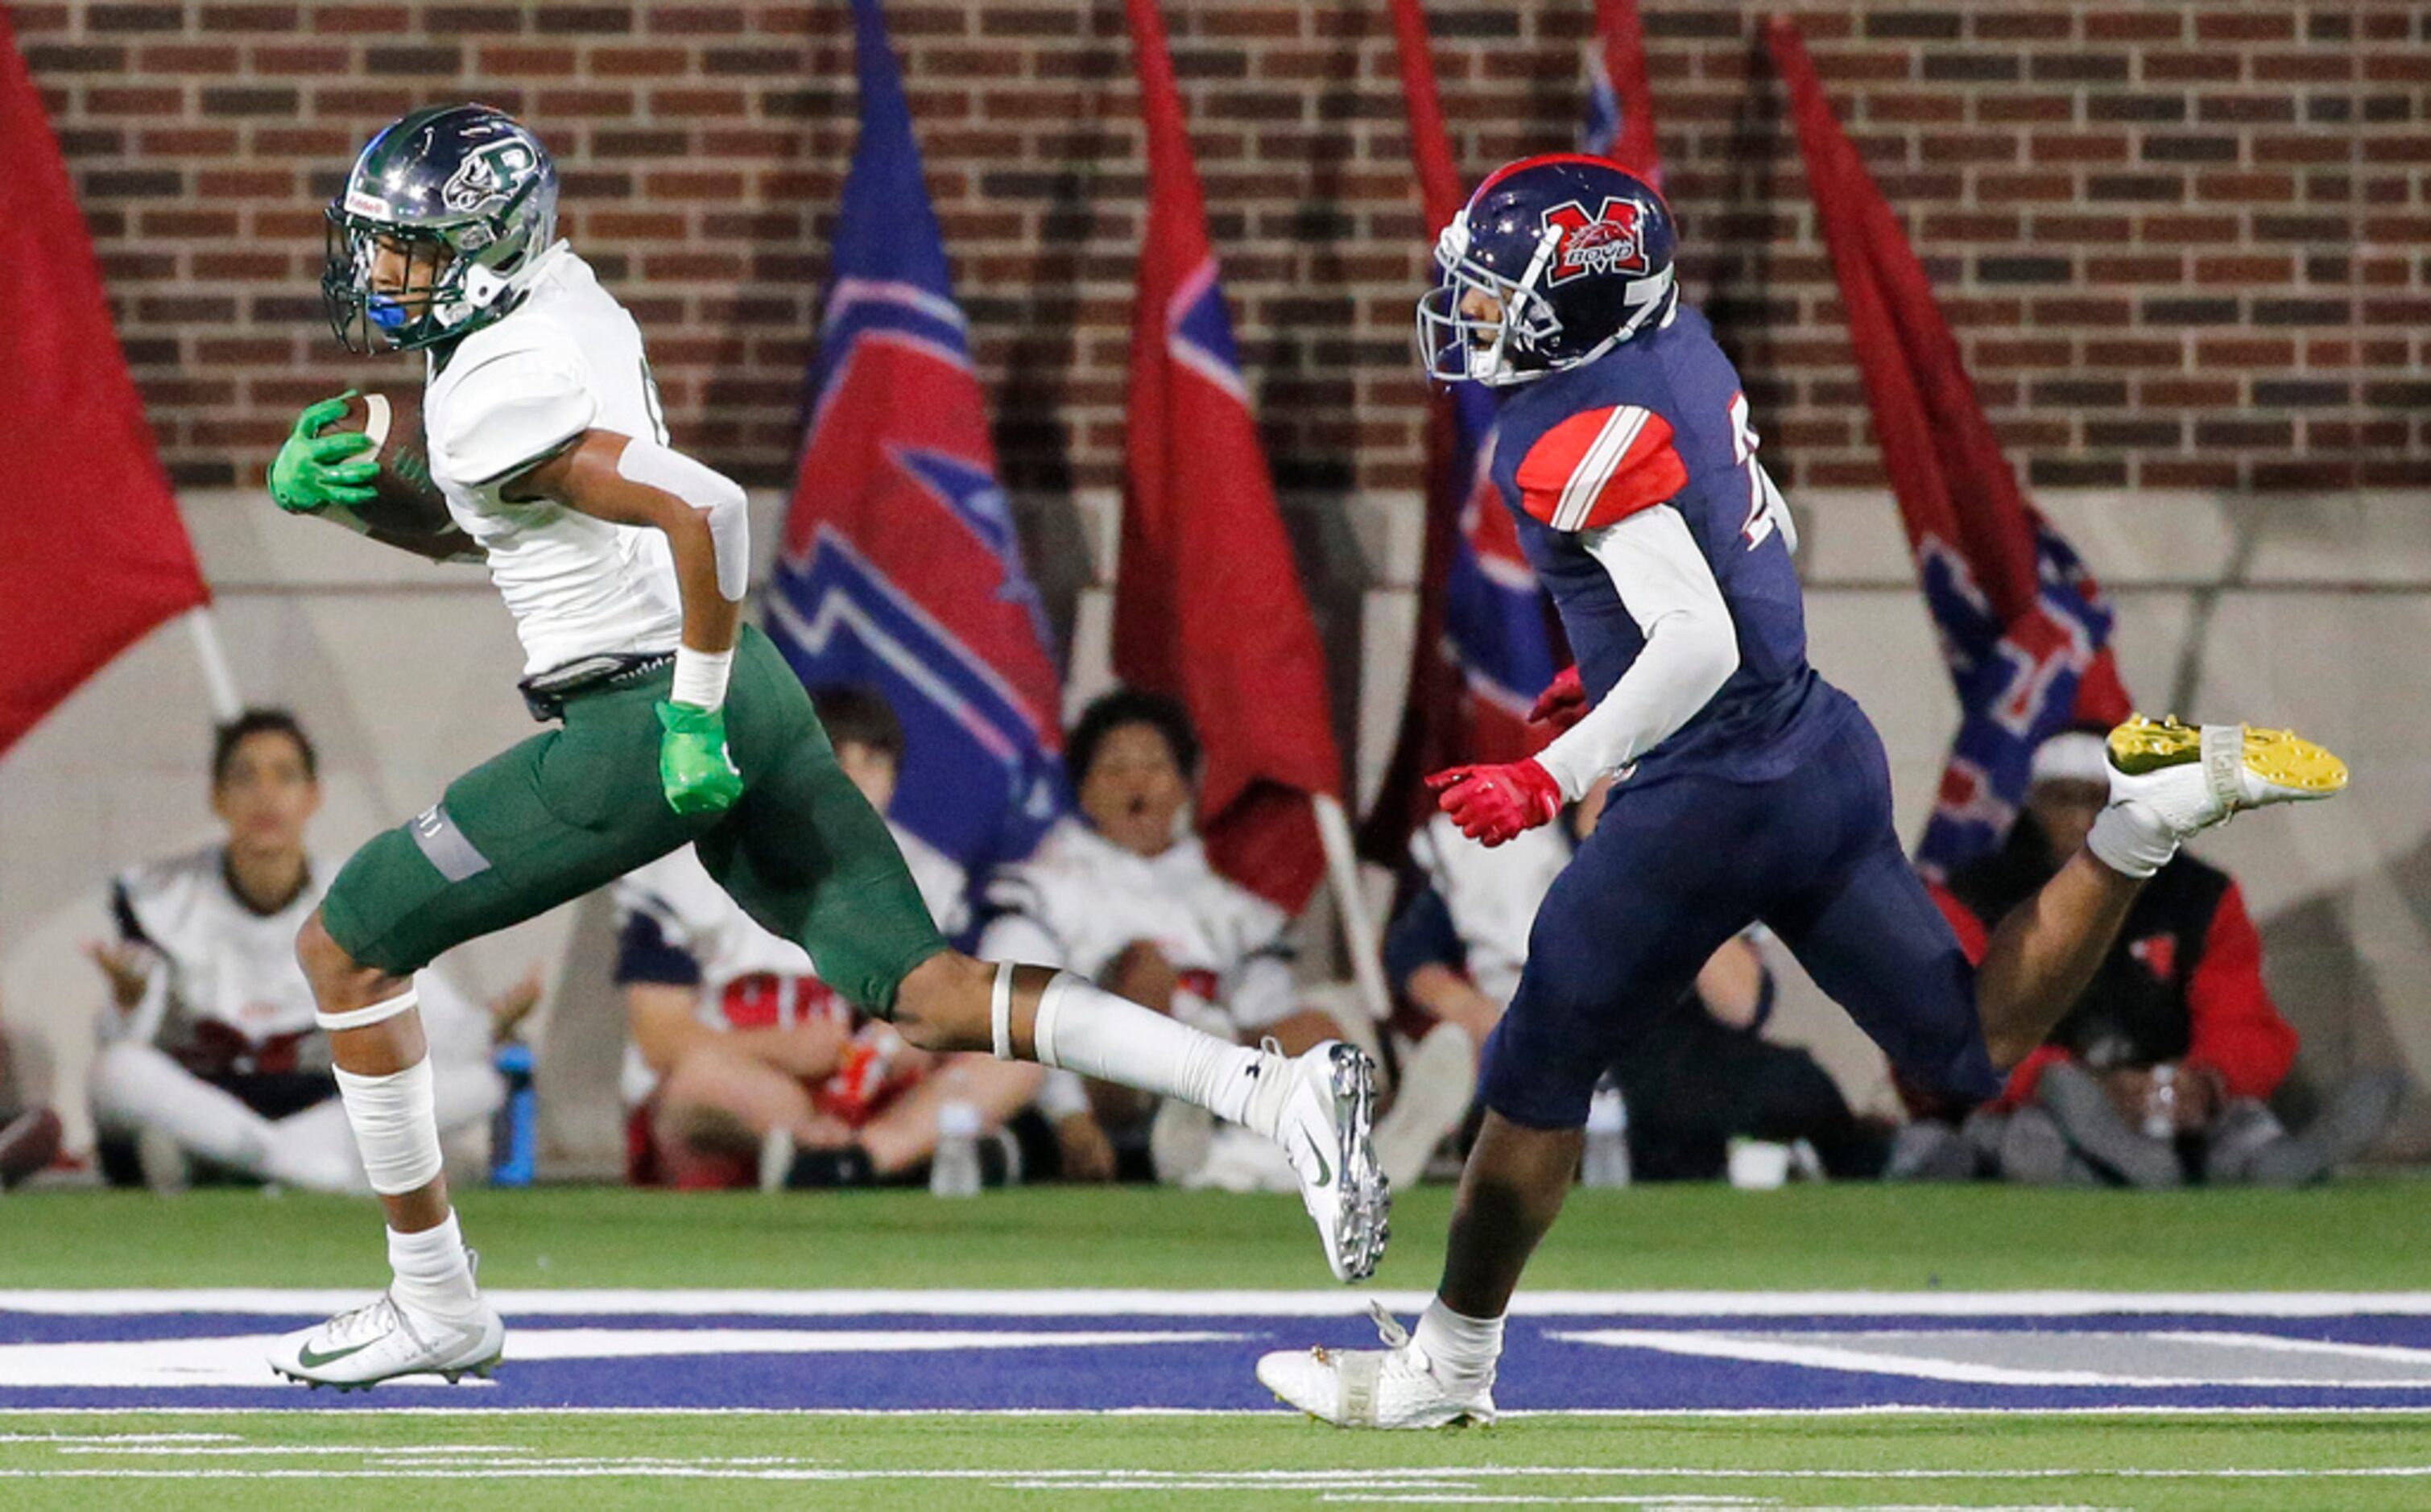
x=1492 y=895
x=748 y=977
x=226 y=989
x=226 y=995
x=1082 y=898
x=566 y=360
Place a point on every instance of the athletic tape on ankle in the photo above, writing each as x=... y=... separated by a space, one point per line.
x=1042 y=1028
x=1001 y=1012
x=395 y=1126
x=2129 y=843
x=378 y=1013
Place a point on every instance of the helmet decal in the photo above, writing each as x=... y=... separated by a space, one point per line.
x=1604 y=243
x=486 y=174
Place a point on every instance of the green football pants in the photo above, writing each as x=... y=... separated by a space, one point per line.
x=577 y=807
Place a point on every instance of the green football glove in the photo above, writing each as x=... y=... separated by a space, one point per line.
x=695 y=770
x=312 y=472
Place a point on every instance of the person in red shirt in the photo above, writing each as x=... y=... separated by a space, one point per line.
x=2165 y=1065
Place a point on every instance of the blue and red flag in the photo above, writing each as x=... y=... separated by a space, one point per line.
x=1484 y=648
x=2023 y=627
x=900 y=566
x=1208 y=606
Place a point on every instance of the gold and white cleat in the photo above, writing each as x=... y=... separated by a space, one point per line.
x=2244 y=767
x=2169 y=780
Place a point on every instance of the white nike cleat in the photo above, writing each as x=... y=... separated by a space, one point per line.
x=2168 y=781
x=357 y=1350
x=1396 y=1387
x=1321 y=1106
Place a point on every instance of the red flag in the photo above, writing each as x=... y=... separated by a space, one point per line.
x=1430 y=139
x=92 y=554
x=1631 y=137
x=1208 y=605
x=2023 y=626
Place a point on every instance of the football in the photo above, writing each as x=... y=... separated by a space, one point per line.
x=406 y=504
x=406 y=510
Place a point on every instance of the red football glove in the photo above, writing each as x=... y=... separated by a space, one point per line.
x=1493 y=804
x=1561 y=705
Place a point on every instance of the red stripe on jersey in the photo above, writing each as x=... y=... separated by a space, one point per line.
x=1600 y=466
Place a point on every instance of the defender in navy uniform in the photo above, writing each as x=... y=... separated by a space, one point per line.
x=1750 y=789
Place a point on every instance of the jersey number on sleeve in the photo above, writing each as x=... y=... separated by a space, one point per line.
x=1767 y=510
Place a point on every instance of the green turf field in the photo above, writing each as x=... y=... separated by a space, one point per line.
x=1212 y=1464
x=2362 y=1236
x=2368 y=1236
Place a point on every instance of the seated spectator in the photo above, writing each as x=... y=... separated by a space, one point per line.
x=29 y=1132
x=1701 y=1075
x=2163 y=1068
x=209 y=1050
x=1124 y=895
x=744 y=1066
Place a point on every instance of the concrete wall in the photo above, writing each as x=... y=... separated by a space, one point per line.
x=2303 y=610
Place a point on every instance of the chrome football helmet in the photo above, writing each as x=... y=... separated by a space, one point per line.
x=1553 y=263
x=463 y=199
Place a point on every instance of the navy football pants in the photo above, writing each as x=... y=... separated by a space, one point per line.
x=1679 y=866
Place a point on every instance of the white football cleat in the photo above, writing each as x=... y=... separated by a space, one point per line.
x=357 y=1350
x=1396 y=1387
x=1321 y=1107
x=2192 y=777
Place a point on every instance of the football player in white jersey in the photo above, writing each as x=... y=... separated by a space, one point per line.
x=212 y=1050
x=625 y=563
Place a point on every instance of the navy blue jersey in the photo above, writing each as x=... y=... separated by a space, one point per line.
x=1661 y=419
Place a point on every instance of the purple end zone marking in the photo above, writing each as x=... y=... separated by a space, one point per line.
x=1539 y=1372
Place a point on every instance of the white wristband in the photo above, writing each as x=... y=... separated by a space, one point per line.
x=700 y=677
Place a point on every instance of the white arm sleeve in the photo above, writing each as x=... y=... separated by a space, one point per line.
x=1692 y=648
x=707 y=490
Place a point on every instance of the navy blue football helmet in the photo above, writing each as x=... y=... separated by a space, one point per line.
x=1553 y=262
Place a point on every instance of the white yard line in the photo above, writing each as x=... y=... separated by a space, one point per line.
x=1116 y=1303
x=1845 y=1351
x=1618 y=1414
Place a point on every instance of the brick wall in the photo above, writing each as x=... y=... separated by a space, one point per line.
x=2186 y=242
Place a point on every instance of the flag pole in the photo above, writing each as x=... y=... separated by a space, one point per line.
x=1358 y=930
x=219 y=679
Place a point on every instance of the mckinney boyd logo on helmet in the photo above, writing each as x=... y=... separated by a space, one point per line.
x=485 y=174
x=1606 y=243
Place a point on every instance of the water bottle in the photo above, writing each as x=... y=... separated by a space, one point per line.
x=1607 y=1157
x=954 y=1169
x=2161 y=1104
x=515 y=1133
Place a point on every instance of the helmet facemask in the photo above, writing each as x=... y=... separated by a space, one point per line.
x=1503 y=348
x=423 y=303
